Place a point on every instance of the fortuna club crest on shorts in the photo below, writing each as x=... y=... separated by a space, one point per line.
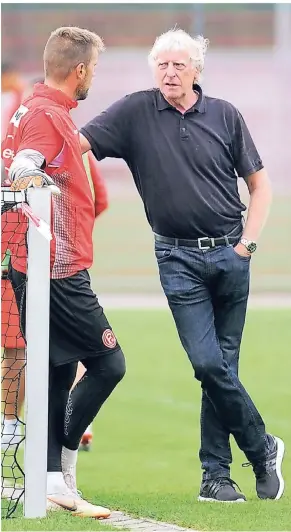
x=109 y=339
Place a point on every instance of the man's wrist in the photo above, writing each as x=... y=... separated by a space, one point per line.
x=250 y=245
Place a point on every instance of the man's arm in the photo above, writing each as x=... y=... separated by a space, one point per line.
x=107 y=135
x=259 y=207
x=260 y=201
x=85 y=144
x=101 y=196
x=249 y=166
x=40 y=144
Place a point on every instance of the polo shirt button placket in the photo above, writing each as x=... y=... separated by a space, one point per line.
x=183 y=129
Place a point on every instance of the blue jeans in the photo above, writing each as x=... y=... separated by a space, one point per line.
x=207 y=292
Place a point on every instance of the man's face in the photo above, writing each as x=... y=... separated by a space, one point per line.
x=174 y=74
x=86 y=76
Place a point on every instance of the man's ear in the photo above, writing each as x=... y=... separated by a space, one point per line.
x=81 y=71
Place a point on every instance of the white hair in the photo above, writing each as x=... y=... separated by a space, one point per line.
x=177 y=39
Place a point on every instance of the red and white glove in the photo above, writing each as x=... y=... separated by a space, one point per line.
x=34 y=178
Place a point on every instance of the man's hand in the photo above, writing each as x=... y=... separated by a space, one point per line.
x=34 y=178
x=241 y=250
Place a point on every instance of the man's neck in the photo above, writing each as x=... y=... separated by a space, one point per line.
x=60 y=87
x=186 y=102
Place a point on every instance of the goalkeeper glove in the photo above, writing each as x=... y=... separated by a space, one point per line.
x=34 y=178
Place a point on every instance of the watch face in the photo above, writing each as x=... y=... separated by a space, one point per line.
x=251 y=247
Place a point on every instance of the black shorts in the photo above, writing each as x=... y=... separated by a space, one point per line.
x=78 y=325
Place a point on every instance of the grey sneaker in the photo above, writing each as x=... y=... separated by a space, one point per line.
x=269 y=479
x=220 y=489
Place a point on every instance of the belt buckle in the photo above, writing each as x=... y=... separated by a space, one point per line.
x=200 y=246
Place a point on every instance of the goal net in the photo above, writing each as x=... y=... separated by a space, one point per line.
x=24 y=363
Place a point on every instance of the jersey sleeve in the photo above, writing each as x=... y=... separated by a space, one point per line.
x=246 y=157
x=38 y=133
x=108 y=133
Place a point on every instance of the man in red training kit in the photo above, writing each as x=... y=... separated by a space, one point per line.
x=45 y=150
x=13 y=345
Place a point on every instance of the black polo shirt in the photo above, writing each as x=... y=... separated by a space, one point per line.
x=186 y=166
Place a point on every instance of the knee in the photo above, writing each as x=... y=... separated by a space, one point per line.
x=116 y=367
x=111 y=368
x=208 y=370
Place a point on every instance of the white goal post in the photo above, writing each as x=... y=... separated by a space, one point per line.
x=37 y=366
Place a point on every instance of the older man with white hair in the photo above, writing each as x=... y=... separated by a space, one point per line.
x=186 y=151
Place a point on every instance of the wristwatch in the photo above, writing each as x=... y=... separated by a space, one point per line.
x=249 y=244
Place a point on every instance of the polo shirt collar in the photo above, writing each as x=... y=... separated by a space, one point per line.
x=40 y=89
x=199 y=106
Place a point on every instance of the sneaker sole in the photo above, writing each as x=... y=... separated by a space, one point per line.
x=279 y=460
x=79 y=508
x=206 y=499
x=53 y=507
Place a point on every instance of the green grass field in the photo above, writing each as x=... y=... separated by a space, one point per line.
x=145 y=454
x=124 y=259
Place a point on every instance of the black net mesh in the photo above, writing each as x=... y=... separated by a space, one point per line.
x=13 y=356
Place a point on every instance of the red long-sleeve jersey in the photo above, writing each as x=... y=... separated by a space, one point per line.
x=43 y=123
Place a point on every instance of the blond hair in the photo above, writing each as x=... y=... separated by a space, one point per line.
x=177 y=39
x=66 y=48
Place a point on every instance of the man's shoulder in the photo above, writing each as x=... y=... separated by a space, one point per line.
x=145 y=96
x=40 y=109
x=37 y=104
x=220 y=103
